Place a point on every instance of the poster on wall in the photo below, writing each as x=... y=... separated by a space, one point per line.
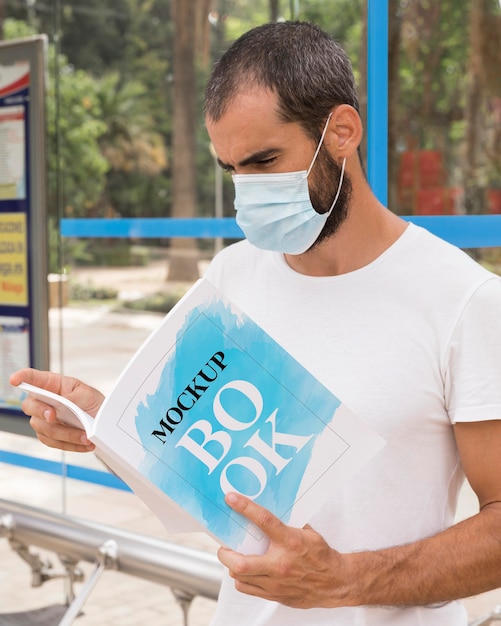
x=23 y=219
x=13 y=259
x=12 y=154
x=14 y=346
x=14 y=81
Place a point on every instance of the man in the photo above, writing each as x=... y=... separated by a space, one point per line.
x=403 y=327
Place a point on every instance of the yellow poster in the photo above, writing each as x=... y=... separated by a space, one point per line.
x=13 y=259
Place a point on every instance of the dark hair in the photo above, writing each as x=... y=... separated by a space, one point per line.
x=305 y=67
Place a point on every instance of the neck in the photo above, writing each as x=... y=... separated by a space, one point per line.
x=368 y=230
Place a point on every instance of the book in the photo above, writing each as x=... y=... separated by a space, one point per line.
x=211 y=403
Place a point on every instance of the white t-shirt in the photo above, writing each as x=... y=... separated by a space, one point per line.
x=412 y=343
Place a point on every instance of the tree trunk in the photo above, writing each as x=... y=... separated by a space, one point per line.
x=274 y=10
x=473 y=191
x=202 y=30
x=183 y=254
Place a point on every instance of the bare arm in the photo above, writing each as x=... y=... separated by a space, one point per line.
x=301 y=570
x=43 y=417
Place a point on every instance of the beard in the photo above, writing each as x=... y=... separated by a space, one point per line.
x=323 y=188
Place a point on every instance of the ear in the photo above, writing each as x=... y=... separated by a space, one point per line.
x=344 y=132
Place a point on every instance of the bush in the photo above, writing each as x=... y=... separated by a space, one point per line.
x=157 y=303
x=89 y=292
x=118 y=254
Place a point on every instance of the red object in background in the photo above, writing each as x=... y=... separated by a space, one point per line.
x=494 y=200
x=406 y=173
x=421 y=169
x=431 y=170
x=430 y=201
x=437 y=201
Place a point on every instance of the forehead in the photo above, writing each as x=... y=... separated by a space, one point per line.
x=250 y=123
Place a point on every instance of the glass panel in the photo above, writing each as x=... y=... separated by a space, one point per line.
x=113 y=113
x=445 y=107
x=121 y=132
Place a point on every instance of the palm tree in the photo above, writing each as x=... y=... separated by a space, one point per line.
x=482 y=105
x=130 y=142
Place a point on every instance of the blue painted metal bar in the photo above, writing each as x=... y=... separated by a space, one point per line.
x=62 y=469
x=377 y=98
x=464 y=231
x=152 y=227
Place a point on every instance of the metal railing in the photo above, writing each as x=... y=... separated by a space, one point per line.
x=187 y=571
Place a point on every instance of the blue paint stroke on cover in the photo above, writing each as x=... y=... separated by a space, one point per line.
x=304 y=407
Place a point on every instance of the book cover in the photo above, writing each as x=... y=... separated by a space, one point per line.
x=211 y=403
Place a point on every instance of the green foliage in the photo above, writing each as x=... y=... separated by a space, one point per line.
x=157 y=303
x=132 y=146
x=114 y=253
x=433 y=65
x=64 y=252
x=88 y=292
x=94 y=33
x=16 y=29
x=75 y=125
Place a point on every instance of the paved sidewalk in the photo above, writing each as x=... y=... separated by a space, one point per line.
x=96 y=345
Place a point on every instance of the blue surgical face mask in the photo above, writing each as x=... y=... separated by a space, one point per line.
x=275 y=211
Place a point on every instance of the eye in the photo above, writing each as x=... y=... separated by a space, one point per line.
x=268 y=161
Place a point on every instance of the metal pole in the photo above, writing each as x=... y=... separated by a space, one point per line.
x=377 y=97
x=107 y=557
x=195 y=572
x=218 y=202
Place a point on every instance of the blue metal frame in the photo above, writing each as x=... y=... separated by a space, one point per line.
x=377 y=98
x=464 y=231
x=86 y=474
x=152 y=227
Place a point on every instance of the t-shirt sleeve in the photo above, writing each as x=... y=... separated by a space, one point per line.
x=473 y=364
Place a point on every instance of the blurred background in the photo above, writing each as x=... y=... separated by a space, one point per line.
x=126 y=135
x=126 y=139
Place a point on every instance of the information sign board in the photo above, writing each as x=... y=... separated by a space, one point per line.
x=24 y=336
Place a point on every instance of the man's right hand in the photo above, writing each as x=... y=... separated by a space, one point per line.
x=43 y=417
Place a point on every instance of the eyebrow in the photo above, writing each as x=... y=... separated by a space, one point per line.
x=255 y=157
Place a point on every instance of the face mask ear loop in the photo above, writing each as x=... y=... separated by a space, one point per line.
x=319 y=144
x=341 y=177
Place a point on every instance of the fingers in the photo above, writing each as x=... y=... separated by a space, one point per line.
x=57 y=435
x=43 y=417
x=39 y=378
x=272 y=527
x=51 y=432
x=261 y=517
x=24 y=375
x=36 y=408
